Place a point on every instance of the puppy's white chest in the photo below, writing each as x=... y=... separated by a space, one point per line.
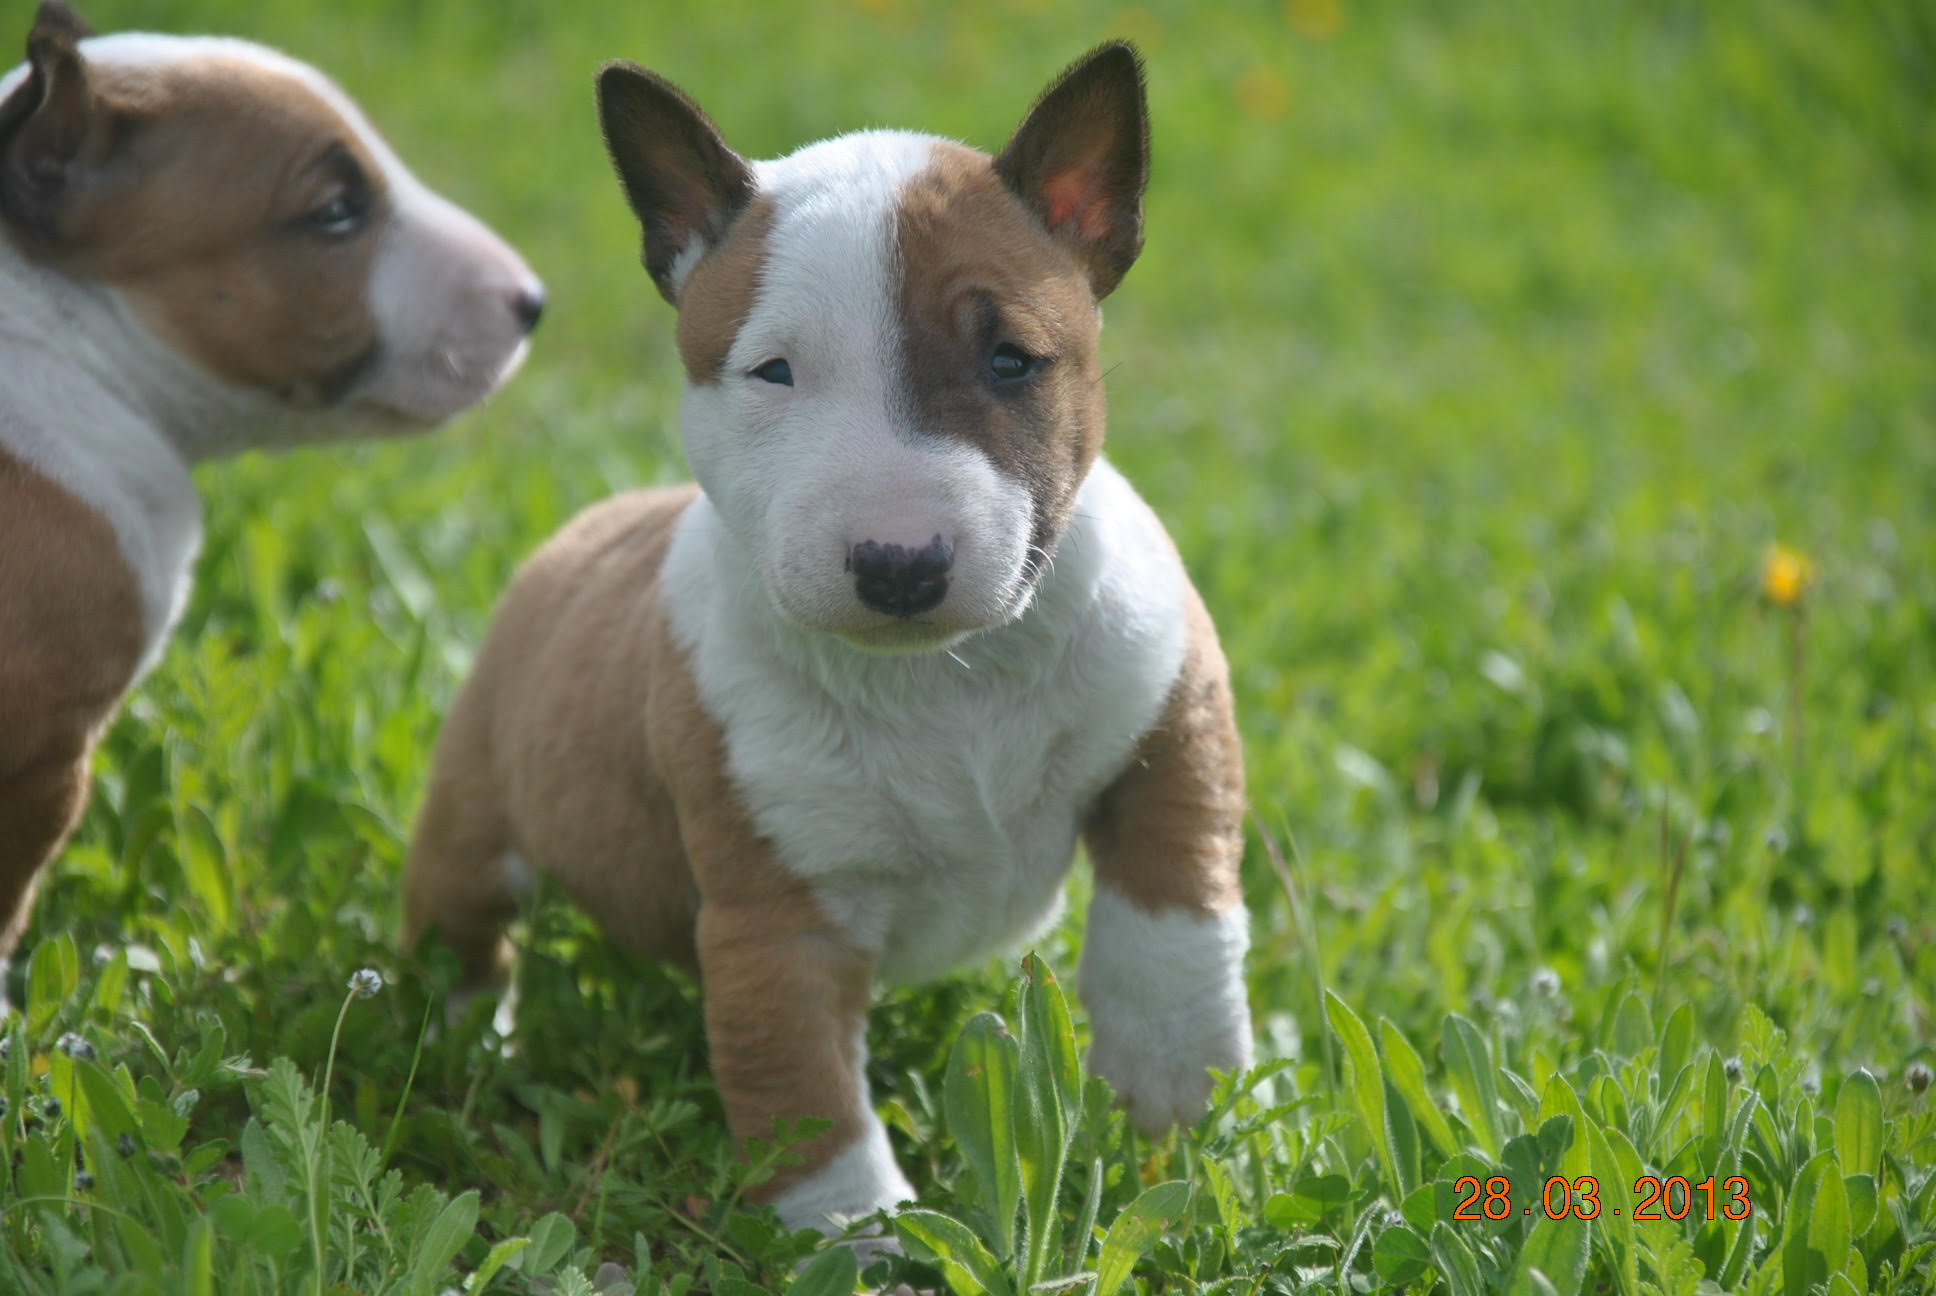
x=936 y=799
x=938 y=829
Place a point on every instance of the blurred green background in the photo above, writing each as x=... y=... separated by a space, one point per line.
x=1478 y=356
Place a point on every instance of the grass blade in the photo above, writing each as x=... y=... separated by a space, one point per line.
x=1407 y=1074
x=951 y=1247
x=1135 y=1231
x=1468 y=1063
x=979 y=1096
x=1364 y=1079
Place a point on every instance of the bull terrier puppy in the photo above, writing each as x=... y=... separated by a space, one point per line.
x=204 y=247
x=841 y=712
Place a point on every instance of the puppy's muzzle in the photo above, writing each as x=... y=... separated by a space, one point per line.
x=901 y=581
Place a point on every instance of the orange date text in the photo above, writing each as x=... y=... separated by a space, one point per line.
x=1673 y=1198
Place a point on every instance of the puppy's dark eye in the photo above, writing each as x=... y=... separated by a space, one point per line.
x=348 y=198
x=338 y=218
x=775 y=371
x=1010 y=362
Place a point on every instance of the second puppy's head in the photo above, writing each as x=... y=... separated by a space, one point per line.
x=293 y=278
x=889 y=342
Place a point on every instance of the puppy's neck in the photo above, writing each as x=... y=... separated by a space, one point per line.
x=90 y=401
x=73 y=354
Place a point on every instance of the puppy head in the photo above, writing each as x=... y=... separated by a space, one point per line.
x=892 y=390
x=255 y=224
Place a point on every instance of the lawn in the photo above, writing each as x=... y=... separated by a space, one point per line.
x=1479 y=359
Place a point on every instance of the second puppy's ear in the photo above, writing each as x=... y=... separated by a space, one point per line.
x=1080 y=161
x=44 y=124
x=683 y=182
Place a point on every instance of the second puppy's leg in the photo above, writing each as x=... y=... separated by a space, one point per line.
x=39 y=807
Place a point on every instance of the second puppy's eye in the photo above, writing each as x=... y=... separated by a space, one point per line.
x=1010 y=362
x=339 y=217
x=775 y=371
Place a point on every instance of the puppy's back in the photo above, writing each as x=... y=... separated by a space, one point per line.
x=530 y=775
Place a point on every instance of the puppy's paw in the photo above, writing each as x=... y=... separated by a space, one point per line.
x=860 y=1180
x=504 y=1018
x=1166 y=1003
x=1160 y=1068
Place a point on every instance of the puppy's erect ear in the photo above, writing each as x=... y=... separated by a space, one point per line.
x=685 y=185
x=1080 y=160
x=44 y=123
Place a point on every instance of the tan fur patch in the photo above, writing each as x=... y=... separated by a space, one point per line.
x=719 y=293
x=529 y=759
x=71 y=635
x=978 y=270
x=202 y=172
x=639 y=822
x=1169 y=832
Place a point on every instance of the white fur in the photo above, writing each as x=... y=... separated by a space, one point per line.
x=91 y=397
x=802 y=474
x=936 y=798
x=1165 y=994
x=860 y=1180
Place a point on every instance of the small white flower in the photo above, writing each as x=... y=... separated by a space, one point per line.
x=365 y=982
x=1546 y=983
x=75 y=1046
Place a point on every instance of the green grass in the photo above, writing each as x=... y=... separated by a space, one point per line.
x=1478 y=355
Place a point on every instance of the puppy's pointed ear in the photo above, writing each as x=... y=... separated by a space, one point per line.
x=1080 y=160
x=685 y=185
x=44 y=123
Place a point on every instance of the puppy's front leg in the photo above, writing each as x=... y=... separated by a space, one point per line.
x=1162 y=961
x=786 y=1016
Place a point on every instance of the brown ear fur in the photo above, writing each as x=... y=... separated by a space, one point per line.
x=681 y=179
x=45 y=122
x=1080 y=161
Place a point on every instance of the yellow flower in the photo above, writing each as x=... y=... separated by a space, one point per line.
x=1786 y=575
x=1317 y=19
x=1263 y=93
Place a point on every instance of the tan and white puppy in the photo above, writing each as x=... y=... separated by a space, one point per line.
x=204 y=247
x=842 y=712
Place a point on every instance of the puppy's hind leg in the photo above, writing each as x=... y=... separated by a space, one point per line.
x=463 y=881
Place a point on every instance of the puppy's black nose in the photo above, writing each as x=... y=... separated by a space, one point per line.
x=529 y=306
x=900 y=581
